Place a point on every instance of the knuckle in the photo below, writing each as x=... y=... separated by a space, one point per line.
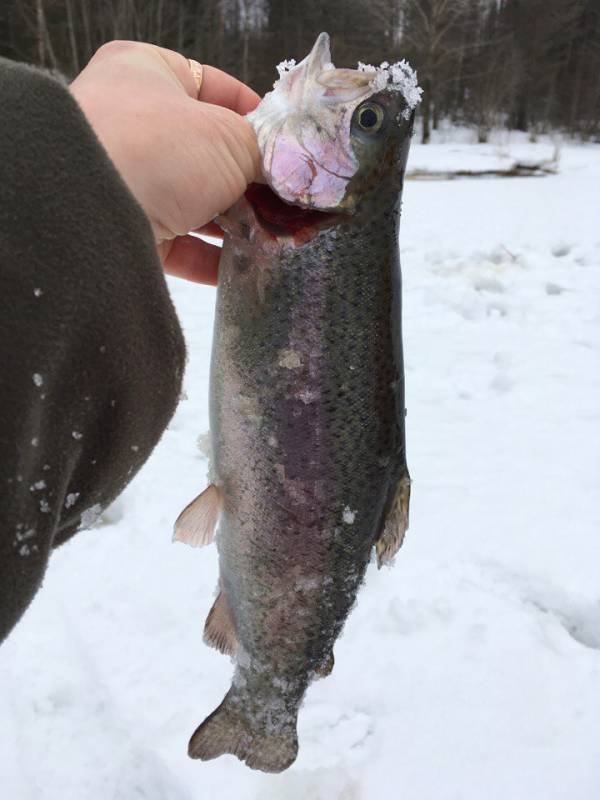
x=116 y=47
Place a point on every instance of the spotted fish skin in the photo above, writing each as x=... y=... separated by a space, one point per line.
x=307 y=420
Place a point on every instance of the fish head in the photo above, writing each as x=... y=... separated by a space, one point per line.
x=327 y=136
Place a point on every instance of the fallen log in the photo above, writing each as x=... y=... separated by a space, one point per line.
x=518 y=169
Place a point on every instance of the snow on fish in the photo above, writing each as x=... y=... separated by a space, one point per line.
x=308 y=470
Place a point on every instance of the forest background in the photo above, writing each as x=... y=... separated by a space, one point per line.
x=529 y=65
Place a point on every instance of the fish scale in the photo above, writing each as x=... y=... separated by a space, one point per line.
x=307 y=420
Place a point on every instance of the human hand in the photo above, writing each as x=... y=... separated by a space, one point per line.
x=186 y=157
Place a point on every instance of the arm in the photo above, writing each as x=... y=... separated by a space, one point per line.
x=88 y=332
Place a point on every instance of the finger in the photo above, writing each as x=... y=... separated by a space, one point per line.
x=210 y=229
x=180 y=66
x=193 y=259
x=222 y=89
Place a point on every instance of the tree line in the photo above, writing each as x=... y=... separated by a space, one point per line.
x=532 y=65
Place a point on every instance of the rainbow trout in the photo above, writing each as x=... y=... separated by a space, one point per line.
x=309 y=471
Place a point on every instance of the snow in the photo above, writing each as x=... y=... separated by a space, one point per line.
x=472 y=667
x=348 y=515
x=71 y=499
x=398 y=77
x=287 y=65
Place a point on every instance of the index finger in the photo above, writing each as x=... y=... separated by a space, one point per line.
x=222 y=89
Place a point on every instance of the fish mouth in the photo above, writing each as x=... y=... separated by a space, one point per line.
x=283 y=219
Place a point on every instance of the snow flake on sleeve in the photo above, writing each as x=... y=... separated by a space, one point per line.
x=71 y=499
x=90 y=516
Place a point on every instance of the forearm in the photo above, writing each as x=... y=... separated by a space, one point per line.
x=91 y=353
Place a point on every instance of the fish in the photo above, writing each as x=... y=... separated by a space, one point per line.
x=309 y=476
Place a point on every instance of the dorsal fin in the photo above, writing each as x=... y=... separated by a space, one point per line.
x=197 y=522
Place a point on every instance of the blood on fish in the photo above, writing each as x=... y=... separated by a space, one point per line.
x=281 y=218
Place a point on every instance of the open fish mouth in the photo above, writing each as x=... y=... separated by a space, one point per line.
x=284 y=219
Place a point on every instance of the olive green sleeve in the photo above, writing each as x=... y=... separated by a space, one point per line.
x=91 y=351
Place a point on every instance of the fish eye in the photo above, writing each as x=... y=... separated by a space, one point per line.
x=370 y=117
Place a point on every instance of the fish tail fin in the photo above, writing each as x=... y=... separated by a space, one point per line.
x=229 y=730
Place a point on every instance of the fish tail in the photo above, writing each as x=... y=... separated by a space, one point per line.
x=259 y=744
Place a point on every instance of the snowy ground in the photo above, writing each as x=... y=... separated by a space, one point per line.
x=469 y=670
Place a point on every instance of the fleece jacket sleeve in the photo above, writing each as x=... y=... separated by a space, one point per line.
x=91 y=352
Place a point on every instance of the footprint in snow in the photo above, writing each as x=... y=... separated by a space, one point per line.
x=560 y=250
x=554 y=289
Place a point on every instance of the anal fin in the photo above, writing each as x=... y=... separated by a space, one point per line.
x=395 y=524
x=219 y=629
x=197 y=522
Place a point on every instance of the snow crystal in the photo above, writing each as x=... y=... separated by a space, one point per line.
x=44 y=506
x=37 y=379
x=90 y=516
x=21 y=536
x=285 y=66
x=398 y=77
x=38 y=292
x=35 y=441
x=77 y=435
x=348 y=516
x=135 y=448
x=71 y=499
x=37 y=486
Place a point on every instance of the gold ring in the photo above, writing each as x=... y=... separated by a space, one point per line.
x=196 y=70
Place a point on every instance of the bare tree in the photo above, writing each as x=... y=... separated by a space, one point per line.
x=429 y=28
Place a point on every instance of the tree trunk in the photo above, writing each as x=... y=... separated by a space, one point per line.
x=426 y=111
x=72 y=38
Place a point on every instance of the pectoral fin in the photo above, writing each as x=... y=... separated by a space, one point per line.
x=395 y=523
x=197 y=522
